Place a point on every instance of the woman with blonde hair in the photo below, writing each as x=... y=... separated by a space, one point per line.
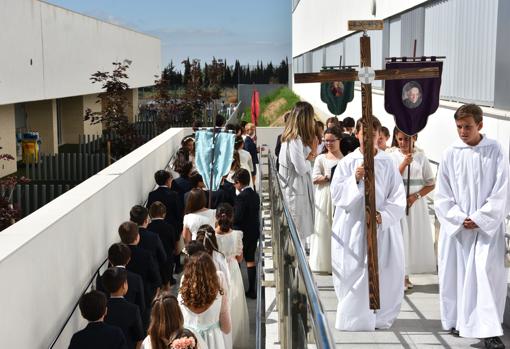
x=167 y=323
x=203 y=302
x=299 y=145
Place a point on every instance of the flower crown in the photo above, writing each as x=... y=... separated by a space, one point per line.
x=183 y=343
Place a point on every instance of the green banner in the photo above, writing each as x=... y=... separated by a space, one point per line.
x=336 y=95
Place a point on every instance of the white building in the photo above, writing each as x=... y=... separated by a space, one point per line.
x=472 y=34
x=48 y=56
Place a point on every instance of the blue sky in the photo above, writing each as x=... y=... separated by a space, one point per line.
x=246 y=30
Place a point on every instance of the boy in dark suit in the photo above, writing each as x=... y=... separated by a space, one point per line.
x=247 y=219
x=141 y=263
x=119 y=255
x=169 y=198
x=168 y=237
x=97 y=334
x=225 y=193
x=149 y=240
x=121 y=313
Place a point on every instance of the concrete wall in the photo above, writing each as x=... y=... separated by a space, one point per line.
x=266 y=136
x=7 y=138
x=132 y=107
x=42 y=117
x=54 y=252
x=72 y=114
x=315 y=23
x=71 y=118
x=89 y=101
x=50 y=52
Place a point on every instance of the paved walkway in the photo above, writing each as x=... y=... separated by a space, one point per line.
x=418 y=324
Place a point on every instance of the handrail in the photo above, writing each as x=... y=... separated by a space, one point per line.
x=260 y=311
x=77 y=303
x=96 y=273
x=322 y=333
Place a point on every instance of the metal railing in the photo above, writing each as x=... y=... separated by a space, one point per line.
x=90 y=283
x=260 y=318
x=301 y=316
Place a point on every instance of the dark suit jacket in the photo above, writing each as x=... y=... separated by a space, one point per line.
x=144 y=265
x=167 y=235
x=277 y=150
x=251 y=147
x=246 y=215
x=98 y=335
x=151 y=242
x=225 y=193
x=169 y=198
x=127 y=317
x=135 y=293
x=181 y=186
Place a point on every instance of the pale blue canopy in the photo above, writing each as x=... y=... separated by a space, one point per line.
x=223 y=150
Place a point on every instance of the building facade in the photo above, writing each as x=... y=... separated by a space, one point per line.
x=471 y=34
x=48 y=56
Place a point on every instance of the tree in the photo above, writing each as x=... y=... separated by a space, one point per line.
x=113 y=115
x=9 y=213
x=168 y=109
x=195 y=97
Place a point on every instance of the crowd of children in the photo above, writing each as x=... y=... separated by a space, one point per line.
x=322 y=178
x=174 y=280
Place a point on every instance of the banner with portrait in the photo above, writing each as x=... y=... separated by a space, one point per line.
x=411 y=101
x=336 y=95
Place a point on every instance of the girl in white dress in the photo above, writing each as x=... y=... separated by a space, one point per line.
x=299 y=144
x=320 y=241
x=230 y=243
x=167 y=324
x=416 y=226
x=196 y=214
x=203 y=302
x=207 y=237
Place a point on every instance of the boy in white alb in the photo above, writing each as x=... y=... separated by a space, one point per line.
x=471 y=202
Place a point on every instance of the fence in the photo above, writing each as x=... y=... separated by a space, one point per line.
x=145 y=130
x=52 y=176
x=66 y=167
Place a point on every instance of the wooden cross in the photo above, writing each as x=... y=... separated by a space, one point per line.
x=366 y=75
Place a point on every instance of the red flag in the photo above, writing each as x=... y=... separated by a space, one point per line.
x=255 y=107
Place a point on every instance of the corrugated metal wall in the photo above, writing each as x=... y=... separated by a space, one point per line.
x=333 y=53
x=351 y=45
x=412 y=28
x=395 y=34
x=465 y=32
x=317 y=59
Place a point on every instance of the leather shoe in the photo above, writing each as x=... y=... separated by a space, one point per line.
x=493 y=343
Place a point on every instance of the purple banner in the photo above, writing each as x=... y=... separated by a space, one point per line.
x=411 y=101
